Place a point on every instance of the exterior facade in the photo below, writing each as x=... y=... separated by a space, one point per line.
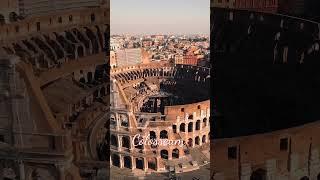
x=53 y=95
x=131 y=56
x=289 y=151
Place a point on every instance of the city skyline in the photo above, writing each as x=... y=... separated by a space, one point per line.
x=160 y=17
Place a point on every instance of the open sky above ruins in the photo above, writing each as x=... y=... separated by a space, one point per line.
x=160 y=16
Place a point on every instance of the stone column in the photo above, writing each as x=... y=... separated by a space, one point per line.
x=245 y=171
x=22 y=172
x=271 y=167
x=61 y=171
x=119 y=142
x=145 y=164
x=131 y=145
x=121 y=160
x=314 y=164
x=169 y=154
x=133 y=163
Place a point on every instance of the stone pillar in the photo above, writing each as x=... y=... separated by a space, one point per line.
x=61 y=171
x=271 y=167
x=245 y=171
x=131 y=145
x=119 y=142
x=121 y=160
x=294 y=164
x=22 y=172
x=133 y=163
x=314 y=164
x=145 y=164
x=169 y=154
x=178 y=128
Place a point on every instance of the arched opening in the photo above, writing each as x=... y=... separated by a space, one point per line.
x=153 y=135
x=197 y=140
x=163 y=134
x=113 y=140
x=126 y=142
x=113 y=120
x=80 y=51
x=93 y=17
x=174 y=128
x=190 y=127
x=304 y=178
x=2 y=20
x=124 y=120
x=259 y=174
x=103 y=91
x=13 y=17
x=190 y=142
x=82 y=80
x=164 y=154
x=136 y=142
x=115 y=160
x=204 y=122
x=89 y=77
x=127 y=162
x=198 y=125
x=182 y=127
x=139 y=163
x=318 y=177
x=204 y=139
x=190 y=117
x=152 y=163
x=175 y=153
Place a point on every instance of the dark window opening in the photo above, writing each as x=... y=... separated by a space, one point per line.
x=232 y=152
x=60 y=19
x=38 y=26
x=283 y=144
x=70 y=18
x=1 y=138
x=182 y=109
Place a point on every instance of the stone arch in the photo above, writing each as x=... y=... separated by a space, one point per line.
x=182 y=127
x=175 y=153
x=174 y=128
x=152 y=163
x=41 y=173
x=2 y=19
x=164 y=154
x=102 y=91
x=93 y=17
x=89 y=77
x=204 y=122
x=190 y=142
x=190 y=127
x=13 y=17
x=198 y=125
x=197 y=140
x=124 y=120
x=204 y=139
x=126 y=141
x=113 y=120
x=259 y=174
x=139 y=163
x=115 y=160
x=113 y=140
x=127 y=162
x=153 y=135
x=163 y=134
x=80 y=51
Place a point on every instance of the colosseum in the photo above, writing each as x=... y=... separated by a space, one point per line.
x=266 y=118
x=54 y=89
x=159 y=101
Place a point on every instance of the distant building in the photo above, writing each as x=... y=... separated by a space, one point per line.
x=178 y=59
x=127 y=57
x=190 y=59
x=113 y=60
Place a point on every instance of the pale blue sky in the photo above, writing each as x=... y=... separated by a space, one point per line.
x=160 y=16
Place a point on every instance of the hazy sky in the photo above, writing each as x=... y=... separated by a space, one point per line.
x=160 y=16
